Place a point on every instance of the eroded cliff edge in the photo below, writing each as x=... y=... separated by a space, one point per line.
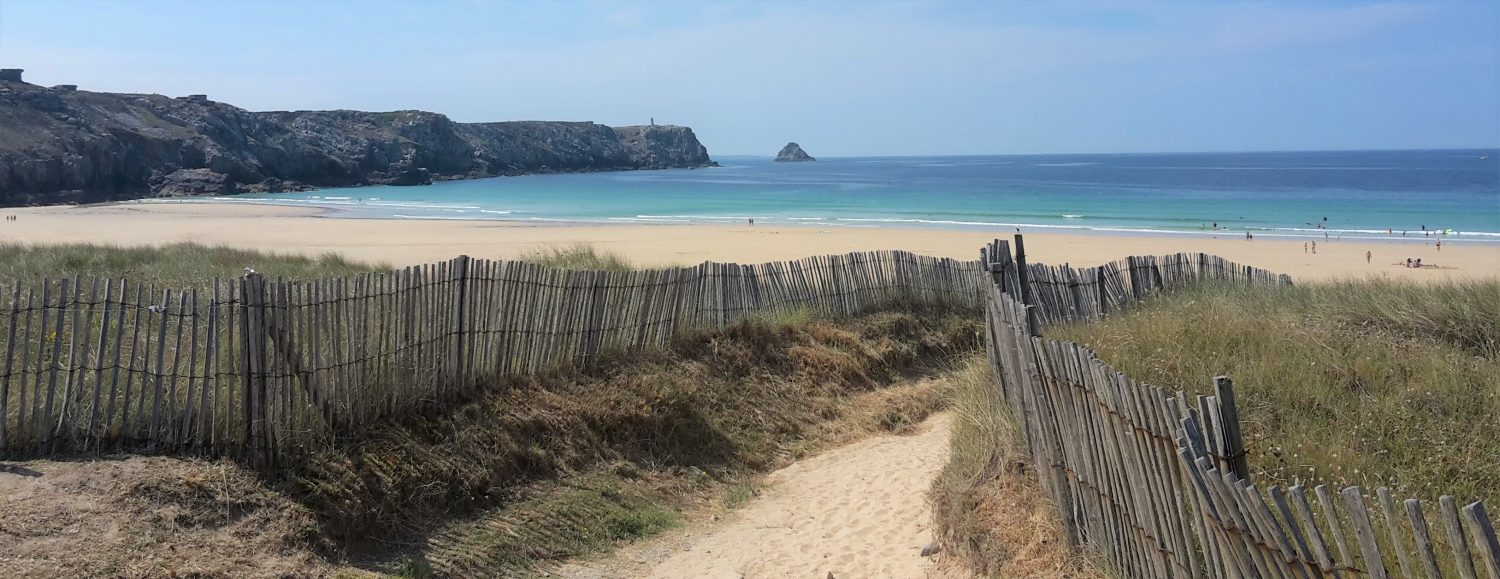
x=62 y=145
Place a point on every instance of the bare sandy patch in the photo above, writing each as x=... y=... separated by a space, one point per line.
x=855 y=511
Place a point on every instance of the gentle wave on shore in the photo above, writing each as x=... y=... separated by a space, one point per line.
x=1451 y=194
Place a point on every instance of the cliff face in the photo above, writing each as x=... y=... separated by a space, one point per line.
x=59 y=145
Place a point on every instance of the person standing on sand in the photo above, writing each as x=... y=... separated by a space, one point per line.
x=1439 y=245
x=1304 y=247
x=1315 y=248
x=1368 y=255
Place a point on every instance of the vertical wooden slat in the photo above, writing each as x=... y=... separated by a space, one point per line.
x=211 y=384
x=168 y=432
x=5 y=369
x=44 y=432
x=1484 y=537
x=101 y=354
x=1388 y=511
x=1314 y=534
x=1364 y=533
x=161 y=361
x=1425 y=552
x=78 y=340
x=136 y=349
x=187 y=404
x=1456 y=541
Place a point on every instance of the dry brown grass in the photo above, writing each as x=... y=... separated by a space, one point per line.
x=558 y=465
x=152 y=517
x=987 y=502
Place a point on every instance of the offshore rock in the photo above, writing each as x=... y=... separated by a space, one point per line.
x=793 y=152
x=61 y=145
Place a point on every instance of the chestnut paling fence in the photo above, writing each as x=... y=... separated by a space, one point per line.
x=268 y=368
x=1156 y=481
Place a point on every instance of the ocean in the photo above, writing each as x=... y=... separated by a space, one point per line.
x=1348 y=194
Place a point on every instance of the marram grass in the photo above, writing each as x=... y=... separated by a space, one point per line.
x=177 y=265
x=580 y=256
x=1371 y=383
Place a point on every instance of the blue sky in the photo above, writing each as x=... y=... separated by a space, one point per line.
x=842 y=78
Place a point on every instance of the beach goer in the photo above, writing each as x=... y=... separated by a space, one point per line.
x=1325 y=235
x=1408 y=262
x=752 y=221
x=1439 y=245
x=1315 y=247
x=1368 y=255
x=1417 y=263
x=1304 y=248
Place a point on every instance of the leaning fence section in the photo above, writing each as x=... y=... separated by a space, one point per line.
x=1157 y=481
x=267 y=366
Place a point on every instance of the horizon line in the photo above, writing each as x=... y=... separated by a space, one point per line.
x=1212 y=152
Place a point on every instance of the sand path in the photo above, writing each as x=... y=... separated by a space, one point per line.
x=855 y=511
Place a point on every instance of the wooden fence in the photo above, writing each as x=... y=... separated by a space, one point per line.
x=264 y=368
x=1157 y=482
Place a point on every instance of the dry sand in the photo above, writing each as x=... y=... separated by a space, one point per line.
x=409 y=242
x=856 y=511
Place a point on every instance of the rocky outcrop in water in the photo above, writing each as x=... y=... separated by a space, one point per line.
x=793 y=152
x=61 y=145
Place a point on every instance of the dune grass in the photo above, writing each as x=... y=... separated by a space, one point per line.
x=1371 y=383
x=579 y=256
x=550 y=466
x=178 y=265
x=986 y=501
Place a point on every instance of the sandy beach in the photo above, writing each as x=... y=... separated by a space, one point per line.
x=408 y=242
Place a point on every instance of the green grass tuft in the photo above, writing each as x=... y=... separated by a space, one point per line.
x=177 y=265
x=580 y=256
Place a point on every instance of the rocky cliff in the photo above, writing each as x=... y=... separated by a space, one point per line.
x=793 y=152
x=60 y=145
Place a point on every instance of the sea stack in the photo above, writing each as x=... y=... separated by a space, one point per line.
x=793 y=152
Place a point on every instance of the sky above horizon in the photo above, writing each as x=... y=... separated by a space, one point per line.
x=841 y=78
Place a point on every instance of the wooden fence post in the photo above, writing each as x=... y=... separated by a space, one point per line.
x=461 y=339
x=1024 y=280
x=1099 y=281
x=253 y=347
x=1229 y=428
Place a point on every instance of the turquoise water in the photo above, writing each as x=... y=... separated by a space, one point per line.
x=1360 y=193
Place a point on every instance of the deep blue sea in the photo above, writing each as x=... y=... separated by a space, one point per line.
x=1353 y=194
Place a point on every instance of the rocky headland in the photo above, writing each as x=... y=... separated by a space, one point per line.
x=63 y=145
x=793 y=152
